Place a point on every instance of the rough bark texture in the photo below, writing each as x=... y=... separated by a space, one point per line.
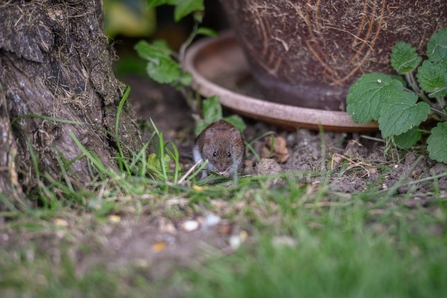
x=55 y=61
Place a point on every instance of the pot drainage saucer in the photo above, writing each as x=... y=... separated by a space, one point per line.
x=219 y=67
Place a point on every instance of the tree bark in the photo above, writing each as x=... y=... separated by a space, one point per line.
x=55 y=61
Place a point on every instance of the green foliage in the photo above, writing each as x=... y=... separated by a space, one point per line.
x=400 y=111
x=161 y=67
x=185 y=7
x=437 y=142
x=182 y=7
x=432 y=77
x=404 y=58
x=368 y=94
x=206 y=31
x=155 y=164
x=437 y=47
x=212 y=112
x=408 y=138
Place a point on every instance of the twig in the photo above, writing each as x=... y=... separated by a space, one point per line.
x=180 y=182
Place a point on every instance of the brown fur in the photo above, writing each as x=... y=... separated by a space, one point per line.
x=225 y=140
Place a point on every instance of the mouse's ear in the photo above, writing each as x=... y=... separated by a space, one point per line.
x=235 y=133
x=210 y=132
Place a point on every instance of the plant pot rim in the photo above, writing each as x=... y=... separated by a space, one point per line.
x=213 y=53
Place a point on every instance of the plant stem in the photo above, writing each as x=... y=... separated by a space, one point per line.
x=181 y=57
x=441 y=102
x=188 y=42
x=412 y=81
x=438 y=113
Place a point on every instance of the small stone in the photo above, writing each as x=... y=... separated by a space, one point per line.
x=190 y=225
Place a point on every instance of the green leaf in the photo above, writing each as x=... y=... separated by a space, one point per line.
x=367 y=96
x=200 y=126
x=154 y=163
x=163 y=70
x=185 y=7
x=432 y=77
x=437 y=143
x=437 y=46
x=186 y=79
x=162 y=46
x=237 y=121
x=409 y=138
x=400 y=79
x=402 y=113
x=206 y=31
x=152 y=51
x=212 y=110
x=154 y=3
x=404 y=58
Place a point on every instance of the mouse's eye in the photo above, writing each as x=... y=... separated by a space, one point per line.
x=215 y=153
x=229 y=154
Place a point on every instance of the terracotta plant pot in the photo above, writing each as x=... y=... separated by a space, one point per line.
x=308 y=53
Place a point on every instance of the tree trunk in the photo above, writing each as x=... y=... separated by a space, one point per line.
x=55 y=61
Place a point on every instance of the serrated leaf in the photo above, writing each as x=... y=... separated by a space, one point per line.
x=432 y=77
x=161 y=45
x=152 y=51
x=212 y=110
x=402 y=113
x=437 y=46
x=237 y=121
x=185 y=7
x=367 y=95
x=206 y=31
x=163 y=70
x=437 y=143
x=404 y=58
x=409 y=138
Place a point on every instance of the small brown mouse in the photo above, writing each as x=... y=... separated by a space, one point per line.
x=222 y=145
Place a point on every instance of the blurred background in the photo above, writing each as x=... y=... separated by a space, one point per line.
x=129 y=21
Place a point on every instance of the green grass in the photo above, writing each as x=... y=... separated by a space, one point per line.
x=349 y=254
x=347 y=245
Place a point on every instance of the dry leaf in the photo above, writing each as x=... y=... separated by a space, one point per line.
x=226 y=229
x=279 y=151
x=159 y=246
x=198 y=188
x=60 y=222
x=352 y=148
x=114 y=218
